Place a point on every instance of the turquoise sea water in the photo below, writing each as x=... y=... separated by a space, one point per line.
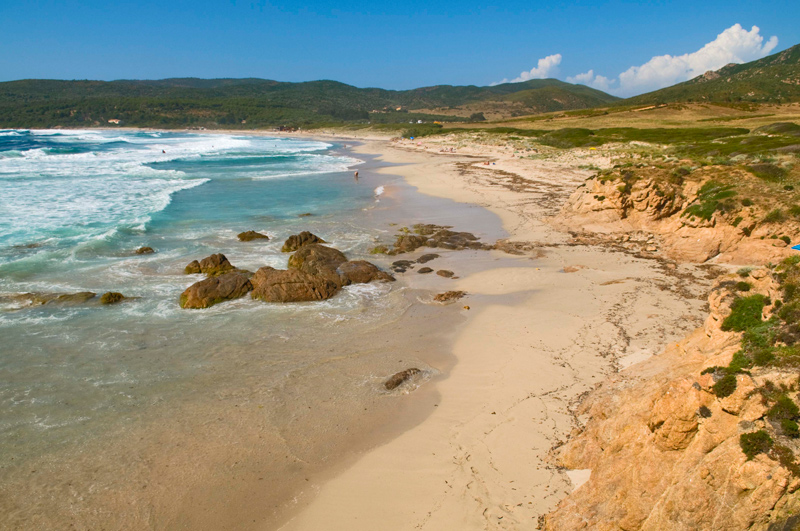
x=83 y=385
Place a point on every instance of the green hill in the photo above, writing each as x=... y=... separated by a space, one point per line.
x=259 y=103
x=773 y=79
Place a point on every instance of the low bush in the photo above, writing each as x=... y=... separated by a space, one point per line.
x=725 y=386
x=755 y=443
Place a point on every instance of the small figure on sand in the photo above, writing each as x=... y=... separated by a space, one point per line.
x=355 y=176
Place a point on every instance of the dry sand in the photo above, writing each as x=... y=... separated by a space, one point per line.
x=543 y=328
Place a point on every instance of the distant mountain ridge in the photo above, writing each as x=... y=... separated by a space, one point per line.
x=262 y=102
x=772 y=79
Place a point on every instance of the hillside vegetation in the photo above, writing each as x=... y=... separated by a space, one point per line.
x=773 y=79
x=253 y=103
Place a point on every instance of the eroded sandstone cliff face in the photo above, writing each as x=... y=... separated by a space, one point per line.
x=664 y=443
x=695 y=217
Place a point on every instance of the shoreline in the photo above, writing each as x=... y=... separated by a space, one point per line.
x=543 y=329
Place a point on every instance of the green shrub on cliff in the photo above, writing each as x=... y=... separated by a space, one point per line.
x=784 y=408
x=745 y=313
x=790 y=428
x=755 y=443
x=725 y=386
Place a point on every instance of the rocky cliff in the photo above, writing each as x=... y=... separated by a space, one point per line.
x=703 y=436
x=696 y=214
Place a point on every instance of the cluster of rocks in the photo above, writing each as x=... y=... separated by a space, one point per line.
x=434 y=236
x=401 y=266
x=315 y=272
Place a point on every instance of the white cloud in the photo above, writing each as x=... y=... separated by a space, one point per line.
x=588 y=78
x=734 y=45
x=546 y=67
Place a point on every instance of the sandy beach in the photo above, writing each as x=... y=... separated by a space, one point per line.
x=543 y=326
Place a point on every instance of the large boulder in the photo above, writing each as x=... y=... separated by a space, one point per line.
x=296 y=241
x=251 y=235
x=291 y=285
x=361 y=272
x=212 y=266
x=318 y=260
x=214 y=290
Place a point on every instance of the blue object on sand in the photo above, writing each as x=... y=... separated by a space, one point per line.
x=796 y=247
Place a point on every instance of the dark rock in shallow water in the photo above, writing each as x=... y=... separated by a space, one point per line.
x=449 y=296
x=318 y=260
x=361 y=272
x=380 y=249
x=406 y=243
x=72 y=298
x=425 y=258
x=425 y=270
x=445 y=273
x=400 y=266
x=290 y=285
x=212 y=266
x=111 y=297
x=400 y=378
x=38 y=299
x=214 y=290
x=305 y=215
x=145 y=250
x=296 y=241
x=251 y=235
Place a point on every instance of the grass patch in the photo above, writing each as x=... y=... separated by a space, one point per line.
x=711 y=198
x=775 y=216
x=745 y=313
x=767 y=172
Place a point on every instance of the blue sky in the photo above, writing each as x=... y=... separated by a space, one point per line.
x=385 y=44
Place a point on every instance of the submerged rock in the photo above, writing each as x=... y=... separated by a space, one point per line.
x=361 y=272
x=425 y=270
x=290 y=285
x=446 y=273
x=296 y=241
x=214 y=290
x=449 y=296
x=425 y=258
x=145 y=250
x=38 y=299
x=400 y=378
x=400 y=266
x=72 y=298
x=251 y=235
x=111 y=297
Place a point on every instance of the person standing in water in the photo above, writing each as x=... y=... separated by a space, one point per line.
x=355 y=176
